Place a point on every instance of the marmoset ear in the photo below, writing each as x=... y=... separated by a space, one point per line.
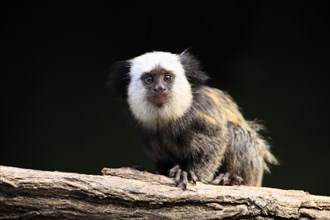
x=193 y=69
x=119 y=78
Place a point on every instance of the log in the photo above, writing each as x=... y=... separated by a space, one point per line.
x=128 y=193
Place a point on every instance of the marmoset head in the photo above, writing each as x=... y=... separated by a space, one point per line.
x=159 y=85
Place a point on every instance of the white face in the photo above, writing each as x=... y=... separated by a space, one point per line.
x=180 y=99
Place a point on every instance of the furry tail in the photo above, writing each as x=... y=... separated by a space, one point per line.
x=269 y=158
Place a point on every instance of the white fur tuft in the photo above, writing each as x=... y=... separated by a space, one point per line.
x=181 y=97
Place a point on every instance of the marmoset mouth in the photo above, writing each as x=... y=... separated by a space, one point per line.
x=158 y=99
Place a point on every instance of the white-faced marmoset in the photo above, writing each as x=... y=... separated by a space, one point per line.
x=192 y=131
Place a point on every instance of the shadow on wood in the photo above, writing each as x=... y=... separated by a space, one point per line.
x=129 y=193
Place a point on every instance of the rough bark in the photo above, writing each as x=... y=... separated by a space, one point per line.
x=128 y=193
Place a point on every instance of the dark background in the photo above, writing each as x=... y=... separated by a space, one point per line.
x=271 y=56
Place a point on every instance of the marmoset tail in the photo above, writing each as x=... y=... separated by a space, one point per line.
x=192 y=131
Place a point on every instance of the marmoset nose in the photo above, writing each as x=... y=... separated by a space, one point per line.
x=159 y=88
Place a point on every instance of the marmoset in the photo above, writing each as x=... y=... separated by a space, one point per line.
x=193 y=132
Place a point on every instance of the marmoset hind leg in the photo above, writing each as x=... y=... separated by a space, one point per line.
x=245 y=158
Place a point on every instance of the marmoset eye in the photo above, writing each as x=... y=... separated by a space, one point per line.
x=168 y=78
x=148 y=79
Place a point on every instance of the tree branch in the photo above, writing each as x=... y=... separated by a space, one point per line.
x=128 y=193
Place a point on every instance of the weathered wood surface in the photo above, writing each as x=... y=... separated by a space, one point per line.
x=128 y=193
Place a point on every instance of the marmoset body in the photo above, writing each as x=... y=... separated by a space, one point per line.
x=192 y=131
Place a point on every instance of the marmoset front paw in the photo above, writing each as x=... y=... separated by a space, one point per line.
x=182 y=177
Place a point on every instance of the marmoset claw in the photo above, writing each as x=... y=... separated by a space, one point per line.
x=182 y=177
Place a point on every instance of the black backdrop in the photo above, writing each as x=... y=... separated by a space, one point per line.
x=271 y=56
